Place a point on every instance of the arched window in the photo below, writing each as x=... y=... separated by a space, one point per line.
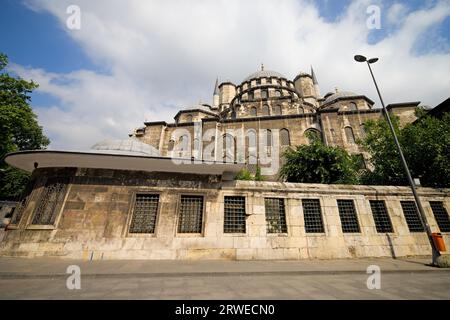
x=251 y=144
x=349 y=135
x=250 y=95
x=233 y=114
x=268 y=137
x=253 y=112
x=228 y=148
x=196 y=148
x=265 y=110
x=352 y=106
x=276 y=110
x=171 y=145
x=301 y=110
x=264 y=94
x=189 y=118
x=277 y=93
x=333 y=135
x=362 y=129
x=313 y=135
x=285 y=139
x=183 y=146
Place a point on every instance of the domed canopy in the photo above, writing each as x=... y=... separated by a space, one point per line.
x=264 y=74
x=339 y=94
x=126 y=146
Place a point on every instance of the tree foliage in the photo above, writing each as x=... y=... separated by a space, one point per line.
x=425 y=144
x=19 y=129
x=318 y=163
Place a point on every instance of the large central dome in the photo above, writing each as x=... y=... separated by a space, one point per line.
x=264 y=74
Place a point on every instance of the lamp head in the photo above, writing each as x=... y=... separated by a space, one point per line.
x=373 y=60
x=360 y=58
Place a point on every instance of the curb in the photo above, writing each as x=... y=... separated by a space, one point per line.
x=210 y=274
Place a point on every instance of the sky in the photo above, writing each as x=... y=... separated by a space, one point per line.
x=134 y=61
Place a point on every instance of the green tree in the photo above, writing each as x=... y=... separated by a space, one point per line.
x=318 y=163
x=425 y=144
x=19 y=129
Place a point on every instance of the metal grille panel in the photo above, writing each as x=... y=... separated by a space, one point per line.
x=191 y=214
x=144 y=213
x=275 y=215
x=234 y=215
x=380 y=216
x=312 y=215
x=18 y=212
x=441 y=215
x=412 y=216
x=347 y=213
x=50 y=202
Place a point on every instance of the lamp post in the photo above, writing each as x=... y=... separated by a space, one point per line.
x=423 y=218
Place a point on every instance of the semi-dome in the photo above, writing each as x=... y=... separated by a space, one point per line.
x=264 y=74
x=126 y=146
x=340 y=94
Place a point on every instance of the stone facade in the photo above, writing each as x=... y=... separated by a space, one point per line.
x=267 y=100
x=92 y=220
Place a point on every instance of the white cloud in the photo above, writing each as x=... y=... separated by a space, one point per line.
x=162 y=55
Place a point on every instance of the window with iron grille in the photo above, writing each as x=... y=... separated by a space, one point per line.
x=234 y=214
x=347 y=213
x=191 y=214
x=144 y=214
x=412 y=216
x=50 y=202
x=441 y=215
x=275 y=215
x=312 y=215
x=380 y=216
x=18 y=212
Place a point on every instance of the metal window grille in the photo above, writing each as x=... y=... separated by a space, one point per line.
x=347 y=213
x=191 y=214
x=412 y=216
x=275 y=215
x=144 y=214
x=380 y=216
x=234 y=215
x=19 y=210
x=50 y=202
x=312 y=215
x=441 y=215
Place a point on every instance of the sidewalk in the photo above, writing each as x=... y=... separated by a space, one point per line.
x=17 y=268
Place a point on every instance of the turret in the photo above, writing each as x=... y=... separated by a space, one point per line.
x=227 y=92
x=304 y=85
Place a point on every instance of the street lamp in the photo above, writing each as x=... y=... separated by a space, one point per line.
x=423 y=218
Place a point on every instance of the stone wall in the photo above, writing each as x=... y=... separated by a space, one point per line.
x=94 y=218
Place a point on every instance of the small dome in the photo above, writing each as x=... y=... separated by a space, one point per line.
x=126 y=146
x=264 y=74
x=339 y=94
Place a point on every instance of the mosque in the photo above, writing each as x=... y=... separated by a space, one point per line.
x=168 y=191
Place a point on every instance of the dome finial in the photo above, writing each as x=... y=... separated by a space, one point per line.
x=262 y=66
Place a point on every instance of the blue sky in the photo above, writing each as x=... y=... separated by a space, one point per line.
x=124 y=67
